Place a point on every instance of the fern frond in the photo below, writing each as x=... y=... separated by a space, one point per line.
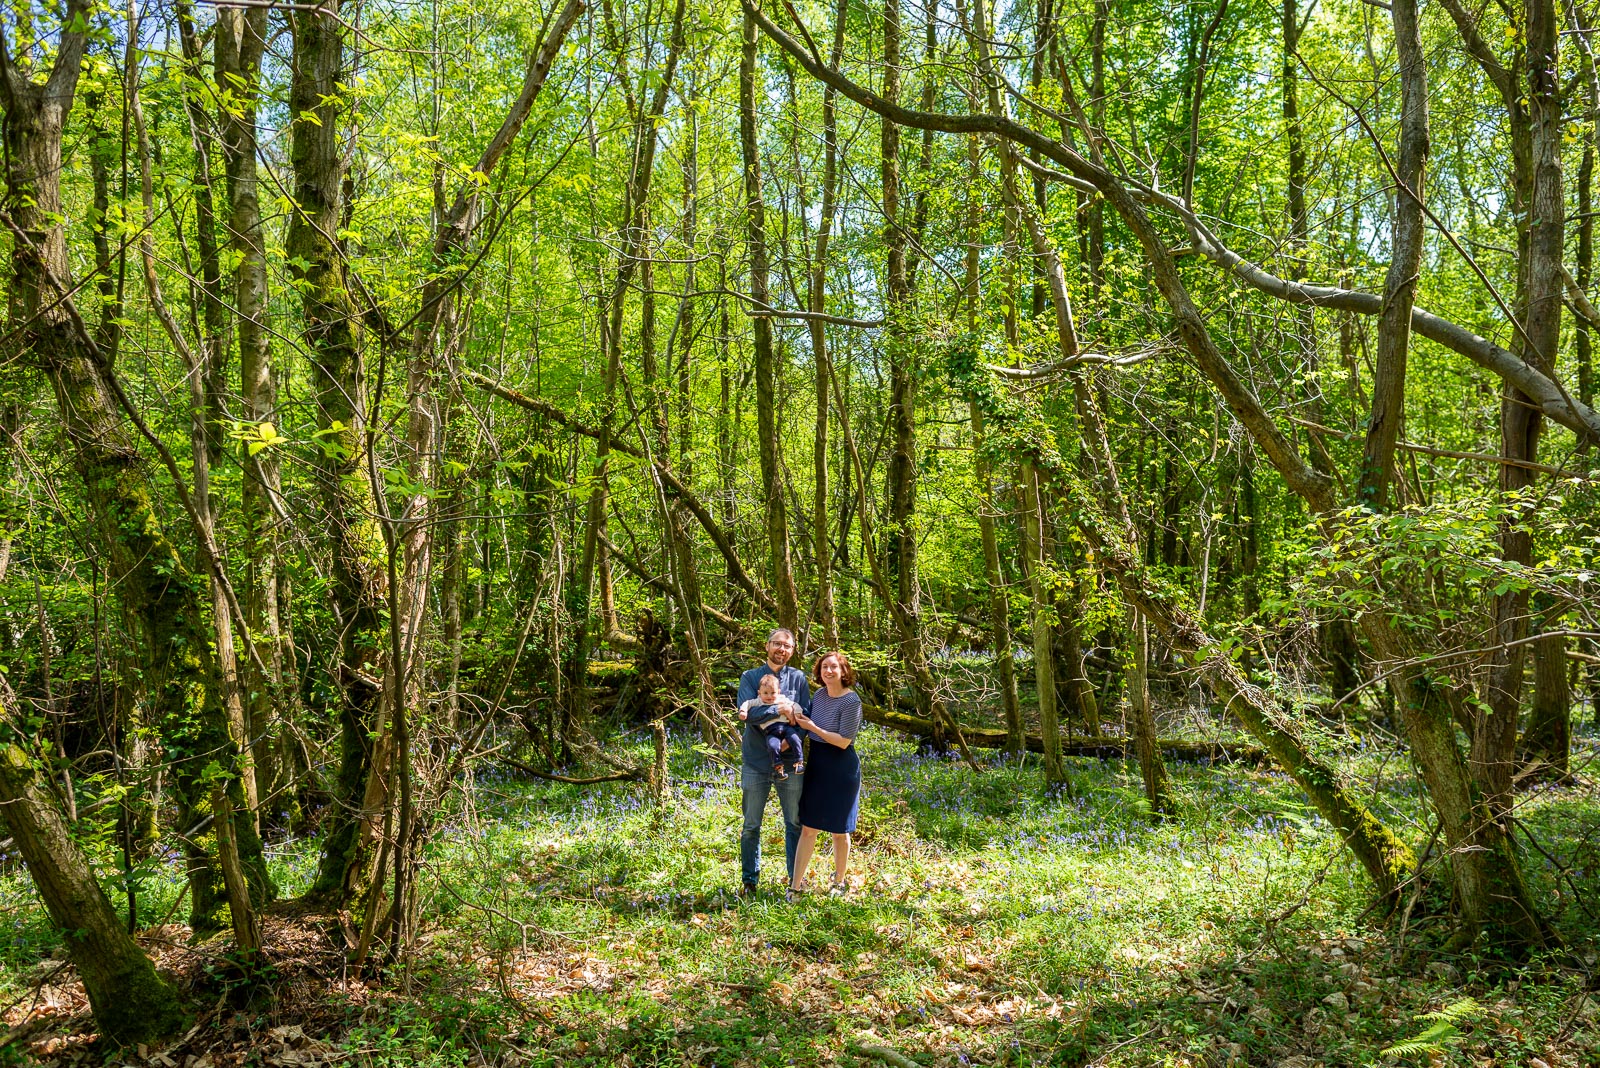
x=1435 y=1038
x=1466 y=1009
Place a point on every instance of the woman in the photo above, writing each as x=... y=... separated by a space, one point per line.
x=831 y=795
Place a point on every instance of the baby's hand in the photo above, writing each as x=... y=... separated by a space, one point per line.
x=744 y=714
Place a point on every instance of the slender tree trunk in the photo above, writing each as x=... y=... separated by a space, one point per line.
x=902 y=468
x=691 y=240
x=1035 y=540
x=767 y=432
x=687 y=570
x=1095 y=237
x=999 y=605
x=131 y=1003
x=1000 y=638
x=1405 y=264
x=1583 y=344
x=1541 y=284
x=816 y=302
x=727 y=456
x=205 y=367
x=1157 y=788
x=240 y=43
x=1035 y=536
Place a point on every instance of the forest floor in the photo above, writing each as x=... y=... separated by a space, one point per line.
x=988 y=922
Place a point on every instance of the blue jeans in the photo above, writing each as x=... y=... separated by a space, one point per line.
x=756 y=784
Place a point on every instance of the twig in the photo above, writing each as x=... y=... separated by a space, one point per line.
x=1563 y=870
x=882 y=1053
x=28 y=1028
x=1125 y=1042
x=1451 y=454
x=630 y=775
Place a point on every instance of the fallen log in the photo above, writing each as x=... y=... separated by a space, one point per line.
x=1103 y=748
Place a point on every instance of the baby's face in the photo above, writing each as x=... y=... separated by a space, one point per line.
x=769 y=690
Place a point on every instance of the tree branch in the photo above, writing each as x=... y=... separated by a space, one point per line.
x=712 y=528
x=1478 y=49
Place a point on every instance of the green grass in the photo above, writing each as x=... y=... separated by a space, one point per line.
x=992 y=922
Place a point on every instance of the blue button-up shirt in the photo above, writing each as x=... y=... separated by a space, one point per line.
x=791 y=684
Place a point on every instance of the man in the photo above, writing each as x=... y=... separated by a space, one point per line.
x=756 y=780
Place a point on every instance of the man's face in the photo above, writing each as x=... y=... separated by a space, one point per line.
x=780 y=648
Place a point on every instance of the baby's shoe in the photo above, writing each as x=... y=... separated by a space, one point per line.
x=779 y=771
x=799 y=767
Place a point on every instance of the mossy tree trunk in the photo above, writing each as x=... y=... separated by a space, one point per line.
x=332 y=329
x=130 y=1002
x=240 y=43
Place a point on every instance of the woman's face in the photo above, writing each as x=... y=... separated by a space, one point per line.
x=832 y=670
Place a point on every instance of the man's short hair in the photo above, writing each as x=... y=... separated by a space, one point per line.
x=785 y=631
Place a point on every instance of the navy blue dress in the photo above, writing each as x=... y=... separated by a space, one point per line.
x=831 y=798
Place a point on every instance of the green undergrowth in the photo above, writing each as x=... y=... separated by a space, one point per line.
x=989 y=921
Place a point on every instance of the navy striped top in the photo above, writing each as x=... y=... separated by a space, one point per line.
x=841 y=715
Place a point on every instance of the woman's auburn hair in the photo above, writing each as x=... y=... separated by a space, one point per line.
x=847 y=673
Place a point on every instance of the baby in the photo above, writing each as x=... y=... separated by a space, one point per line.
x=783 y=738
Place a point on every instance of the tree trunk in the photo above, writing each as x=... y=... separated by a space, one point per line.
x=334 y=342
x=901 y=487
x=1548 y=737
x=1000 y=640
x=767 y=431
x=1400 y=285
x=1035 y=515
x=1583 y=344
x=240 y=43
x=816 y=302
x=130 y=1002
x=1157 y=787
x=677 y=549
x=1540 y=282
x=205 y=367
x=1035 y=539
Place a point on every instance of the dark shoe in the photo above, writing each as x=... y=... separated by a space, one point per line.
x=747 y=890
